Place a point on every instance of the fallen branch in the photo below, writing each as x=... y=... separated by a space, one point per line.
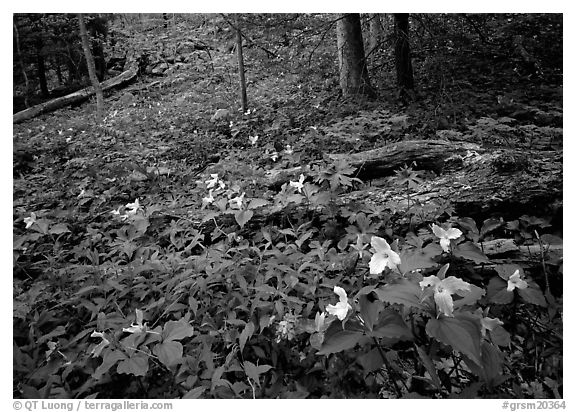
x=73 y=98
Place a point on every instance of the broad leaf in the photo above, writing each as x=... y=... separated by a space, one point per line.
x=471 y=297
x=176 y=330
x=59 y=229
x=429 y=365
x=194 y=393
x=419 y=258
x=497 y=292
x=489 y=225
x=462 y=334
x=169 y=352
x=403 y=292
x=136 y=365
x=245 y=335
x=254 y=372
x=257 y=202
x=109 y=359
x=391 y=326
x=370 y=361
x=369 y=310
x=470 y=251
x=243 y=216
x=532 y=294
x=341 y=340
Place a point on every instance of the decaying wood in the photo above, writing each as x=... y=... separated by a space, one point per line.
x=73 y=98
x=433 y=155
x=508 y=246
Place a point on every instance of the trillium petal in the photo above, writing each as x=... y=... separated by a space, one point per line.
x=380 y=244
x=454 y=285
x=431 y=280
x=515 y=281
x=445 y=244
x=438 y=231
x=378 y=263
x=489 y=324
x=340 y=310
x=341 y=293
x=453 y=233
x=444 y=302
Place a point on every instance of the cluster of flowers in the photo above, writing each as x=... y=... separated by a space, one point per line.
x=442 y=289
x=130 y=209
x=215 y=186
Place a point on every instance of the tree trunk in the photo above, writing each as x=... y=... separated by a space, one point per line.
x=165 y=18
x=354 y=78
x=42 y=73
x=91 y=67
x=375 y=30
x=404 y=73
x=243 y=96
x=22 y=67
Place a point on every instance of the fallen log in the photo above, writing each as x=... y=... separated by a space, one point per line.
x=73 y=98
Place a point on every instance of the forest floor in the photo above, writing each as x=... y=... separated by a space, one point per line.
x=159 y=145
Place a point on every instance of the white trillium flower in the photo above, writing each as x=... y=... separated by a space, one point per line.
x=253 y=139
x=443 y=291
x=208 y=199
x=237 y=201
x=132 y=208
x=489 y=324
x=30 y=220
x=210 y=183
x=289 y=150
x=340 y=310
x=299 y=185
x=446 y=235
x=515 y=281
x=384 y=256
x=319 y=321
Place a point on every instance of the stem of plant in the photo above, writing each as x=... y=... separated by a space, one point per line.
x=391 y=372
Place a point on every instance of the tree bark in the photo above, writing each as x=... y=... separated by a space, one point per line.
x=404 y=72
x=42 y=74
x=21 y=64
x=91 y=67
x=240 y=55
x=73 y=98
x=375 y=30
x=354 y=78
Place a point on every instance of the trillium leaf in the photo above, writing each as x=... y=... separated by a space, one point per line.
x=59 y=229
x=489 y=225
x=109 y=359
x=245 y=335
x=254 y=372
x=470 y=298
x=369 y=310
x=413 y=259
x=403 y=292
x=462 y=333
x=169 y=352
x=391 y=326
x=429 y=367
x=341 y=340
x=136 y=365
x=532 y=294
x=194 y=393
x=176 y=330
x=506 y=270
x=370 y=361
x=470 y=251
x=242 y=217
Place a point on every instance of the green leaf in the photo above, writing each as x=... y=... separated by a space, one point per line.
x=369 y=310
x=471 y=297
x=403 y=292
x=109 y=359
x=341 y=340
x=499 y=336
x=194 y=393
x=245 y=335
x=490 y=225
x=370 y=361
x=470 y=251
x=497 y=292
x=59 y=229
x=136 y=365
x=243 y=216
x=506 y=270
x=429 y=365
x=257 y=202
x=462 y=334
x=254 y=372
x=419 y=258
x=391 y=326
x=176 y=330
x=169 y=352
x=532 y=294
x=548 y=239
